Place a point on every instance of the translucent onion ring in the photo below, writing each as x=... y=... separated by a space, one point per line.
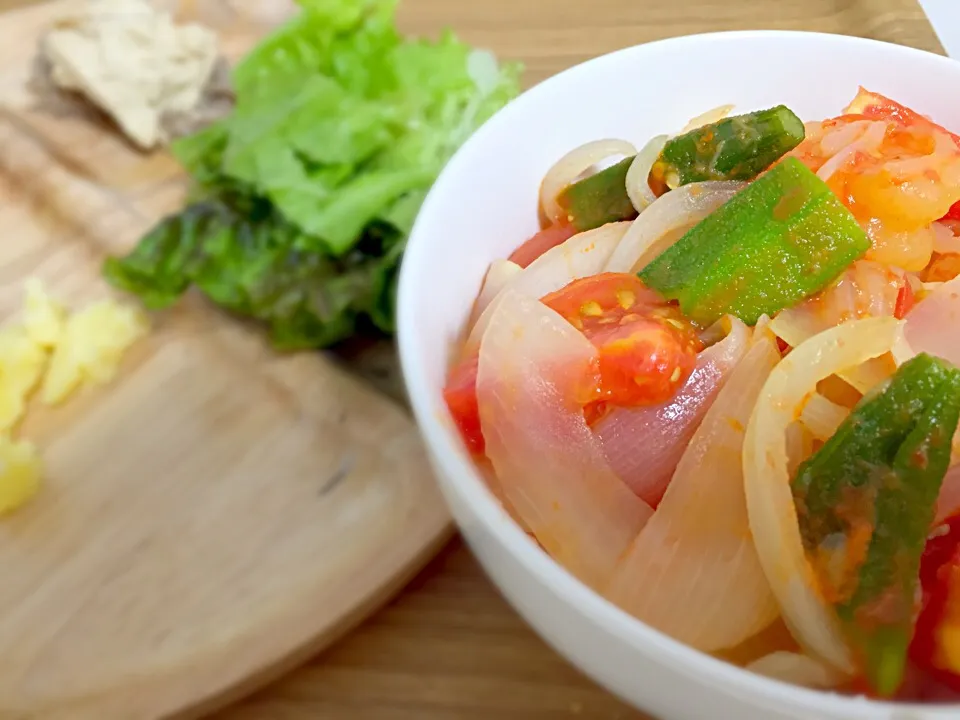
x=772 y=513
x=581 y=256
x=572 y=165
x=797 y=669
x=710 y=116
x=638 y=176
x=672 y=212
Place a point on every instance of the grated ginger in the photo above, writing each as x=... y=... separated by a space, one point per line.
x=43 y=317
x=60 y=352
x=22 y=363
x=91 y=347
x=134 y=62
x=20 y=473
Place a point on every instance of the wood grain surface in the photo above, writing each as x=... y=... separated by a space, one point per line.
x=449 y=648
x=216 y=515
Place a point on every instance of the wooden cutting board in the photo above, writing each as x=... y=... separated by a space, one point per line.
x=218 y=513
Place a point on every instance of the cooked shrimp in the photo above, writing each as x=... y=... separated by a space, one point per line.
x=895 y=170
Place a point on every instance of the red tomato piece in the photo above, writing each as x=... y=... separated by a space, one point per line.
x=953 y=213
x=460 y=394
x=935 y=647
x=647 y=349
x=905 y=301
x=546 y=239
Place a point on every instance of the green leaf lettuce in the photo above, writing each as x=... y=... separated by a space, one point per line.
x=305 y=194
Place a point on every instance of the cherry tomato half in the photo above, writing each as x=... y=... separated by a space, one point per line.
x=953 y=213
x=905 y=301
x=936 y=642
x=646 y=348
x=546 y=239
x=460 y=394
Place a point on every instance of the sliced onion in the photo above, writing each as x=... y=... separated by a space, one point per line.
x=763 y=323
x=663 y=431
x=550 y=466
x=868 y=139
x=840 y=136
x=581 y=256
x=796 y=325
x=865 y=289
x=571 y=166
x=822 y=417
x=799 y=445
x=929 y=325
x=638 y=176
x=773 y=516
x=774 y=638
x=489 y=476
x=870 y=374
x=659 y=225
x=693 y=571
x=797 y=669
x=926 y=288
x=944 y=239
x=472 y=345
x=710 y=116
x=880 y=286
x=901 y=351
x=499 y=274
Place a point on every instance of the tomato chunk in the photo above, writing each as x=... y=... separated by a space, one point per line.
x=546 y=239
x=905 y=301
x=460 y=395
x=646 y=348
x=936 y=643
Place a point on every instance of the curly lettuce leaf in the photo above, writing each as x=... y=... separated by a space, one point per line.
x=253 y=267
x=313 y=40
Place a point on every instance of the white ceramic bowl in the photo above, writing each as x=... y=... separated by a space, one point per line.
x=484 y=205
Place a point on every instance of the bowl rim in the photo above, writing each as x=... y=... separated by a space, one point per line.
x=461 y=472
